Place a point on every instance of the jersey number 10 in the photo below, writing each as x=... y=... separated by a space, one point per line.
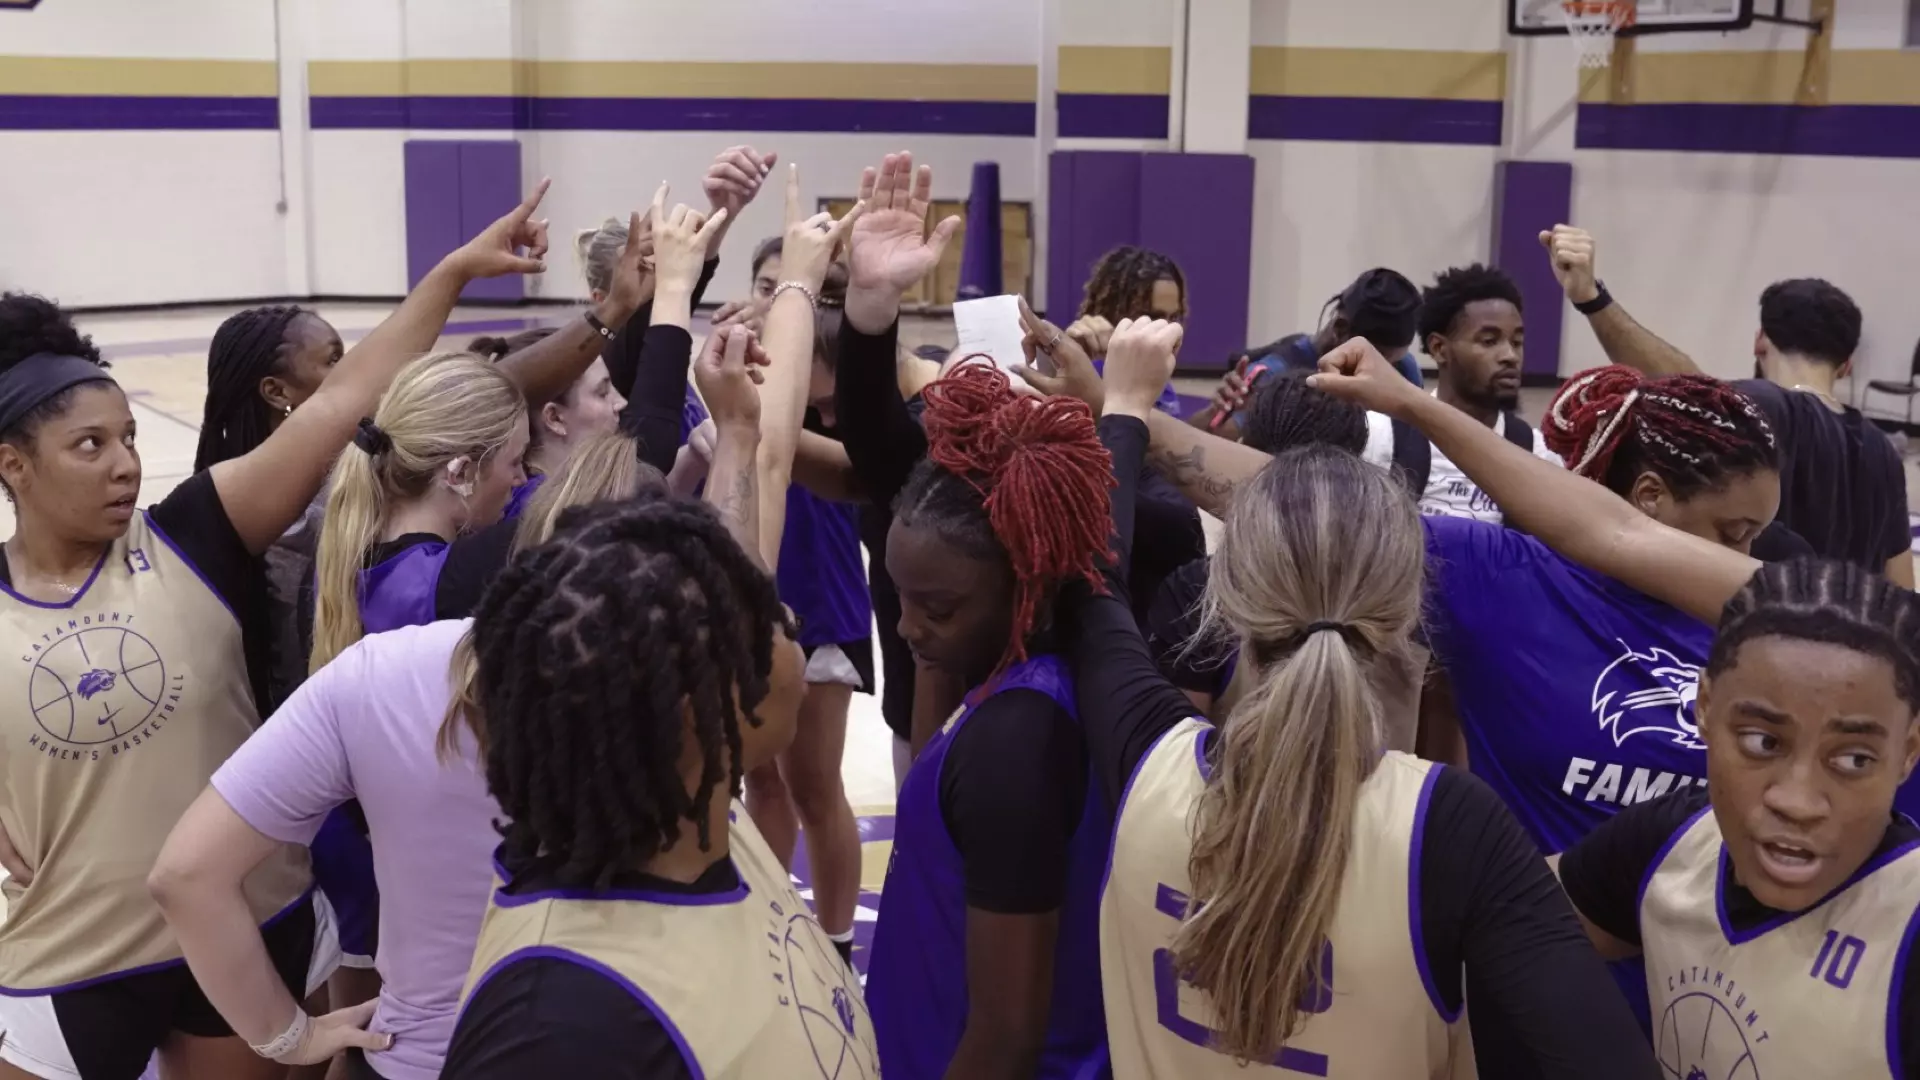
x=1166 y=992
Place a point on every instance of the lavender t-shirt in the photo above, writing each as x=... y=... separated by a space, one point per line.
x=364 y=727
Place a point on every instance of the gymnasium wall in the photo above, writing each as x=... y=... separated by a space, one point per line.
x=1713 y=184
x=157 y=152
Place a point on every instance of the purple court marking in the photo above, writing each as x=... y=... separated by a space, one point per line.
x=873 y=830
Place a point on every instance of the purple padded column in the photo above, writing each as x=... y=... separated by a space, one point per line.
x=1094 y=201
x=1530 y=197
x=433 y=204
x=489 y=187
x=981 y=269
x=1198 y=208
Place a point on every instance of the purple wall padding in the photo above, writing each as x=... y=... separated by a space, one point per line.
x=1094 y=199
x=1198 y=208
x=1530 y=197
x=981 y=268
x=489 y=187
x=433 y=205
x=455 y=189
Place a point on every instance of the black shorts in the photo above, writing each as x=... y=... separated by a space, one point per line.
x=110 y=1030
x=859 y=654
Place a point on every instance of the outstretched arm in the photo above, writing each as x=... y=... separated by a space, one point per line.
x=729 y=372
x=265 y=491
x=1625 y=341
x=805 y=255
x=1569 y=513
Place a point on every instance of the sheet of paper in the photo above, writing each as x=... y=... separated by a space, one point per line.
x=990 y=325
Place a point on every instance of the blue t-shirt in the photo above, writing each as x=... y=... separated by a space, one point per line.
x=820 y=574
x=1575 y=692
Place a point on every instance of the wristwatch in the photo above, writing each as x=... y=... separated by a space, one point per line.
x=1600 y=302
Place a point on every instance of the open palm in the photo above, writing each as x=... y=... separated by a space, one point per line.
x=891 y=248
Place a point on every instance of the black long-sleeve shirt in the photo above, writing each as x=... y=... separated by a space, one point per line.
x=648 y=365
x=1498 y=928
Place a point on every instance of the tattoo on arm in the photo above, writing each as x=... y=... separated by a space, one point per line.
x=1188 y=471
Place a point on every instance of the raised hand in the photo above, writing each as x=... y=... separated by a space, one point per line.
x=1356 y=372
x=1092 y=332
x=630 y=285
x=1140 y=358
x=891 y=248
x=1570 y=251
x=808 y=247
x=747 y=313
x=735 y=177
x=497 y=250
x=1234 y=390
x=680 y=238
x=728 y=373
x=1073 y=374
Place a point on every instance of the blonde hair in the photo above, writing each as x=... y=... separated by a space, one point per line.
x=600 y=468
x=1318 y=577
x=599 y=251
x=440 y=407
x=603 y=468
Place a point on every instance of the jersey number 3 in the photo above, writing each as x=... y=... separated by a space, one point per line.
x=1166 y=992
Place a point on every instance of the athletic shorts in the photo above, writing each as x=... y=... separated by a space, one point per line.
x=848 y=663
x=110 y=1030
x=343 y=870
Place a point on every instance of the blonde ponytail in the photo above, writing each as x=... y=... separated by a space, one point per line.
x=463 y=704
x=1318 y=577
x=439 y=408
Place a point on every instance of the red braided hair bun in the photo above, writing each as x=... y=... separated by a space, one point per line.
x=1042 y=473
x=1692 y=429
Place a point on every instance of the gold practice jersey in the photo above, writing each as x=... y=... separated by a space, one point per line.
x=746 y=982
x=1375 y=1019
x=1799 y=996
x=126 y=700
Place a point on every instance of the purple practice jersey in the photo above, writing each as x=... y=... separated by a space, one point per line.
x=400 y=591
x=916 y=981
x=820 y=575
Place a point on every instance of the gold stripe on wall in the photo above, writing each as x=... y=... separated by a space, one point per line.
x=1766 y=77
x=137 y=77
x=401 y=78
x=672 y=79
x=1289 y=71
x=1115 y=69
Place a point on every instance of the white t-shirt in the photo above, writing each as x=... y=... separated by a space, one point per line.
x=1449 y=493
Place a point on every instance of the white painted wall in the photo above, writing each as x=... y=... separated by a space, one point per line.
x=131 y=217
x=102 y=218
x=1325 y=211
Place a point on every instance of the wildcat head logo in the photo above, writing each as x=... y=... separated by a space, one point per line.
x=95 y=682
x=1648 y=692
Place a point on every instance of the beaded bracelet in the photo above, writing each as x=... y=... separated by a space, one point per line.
x=813 y=297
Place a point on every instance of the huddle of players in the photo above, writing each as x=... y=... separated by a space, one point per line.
x=1085 y=874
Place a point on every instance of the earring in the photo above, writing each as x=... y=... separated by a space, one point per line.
x=287 y=411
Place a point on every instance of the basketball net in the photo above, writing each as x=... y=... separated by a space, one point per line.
x=1592 y=24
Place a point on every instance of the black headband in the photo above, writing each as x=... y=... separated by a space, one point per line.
x=30 y=383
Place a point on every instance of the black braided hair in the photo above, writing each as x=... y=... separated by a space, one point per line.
x=594 y=650
x=32 y=324
x=1827 y=601
x=1121 y=285
x=1451 y=292
x=1286 y=412
x=1382 y=306
x=248 y=347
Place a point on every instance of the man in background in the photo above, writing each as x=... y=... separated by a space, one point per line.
x=1842 y=486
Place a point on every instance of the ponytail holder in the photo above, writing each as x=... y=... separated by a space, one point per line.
x=371 y=439
x=1325 y=624
x=1354 y=638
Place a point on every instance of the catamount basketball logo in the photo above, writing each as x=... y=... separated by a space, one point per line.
x=1709 y=1029
x=824 y=993
x=98 y=688
x=1648 y=693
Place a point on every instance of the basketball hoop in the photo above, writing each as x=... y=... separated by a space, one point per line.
x=1592 y=24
